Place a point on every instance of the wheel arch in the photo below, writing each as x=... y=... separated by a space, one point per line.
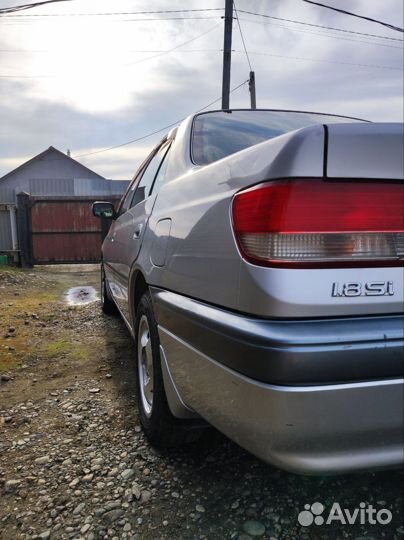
x=137 y=287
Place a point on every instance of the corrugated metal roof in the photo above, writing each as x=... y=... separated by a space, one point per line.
x=7 y=195
x=118 y=187
x=48 y=186
x=84 y=186
x=45 y=154
x=66 y=187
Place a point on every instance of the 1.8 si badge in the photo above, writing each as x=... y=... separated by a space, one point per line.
x=370 y=288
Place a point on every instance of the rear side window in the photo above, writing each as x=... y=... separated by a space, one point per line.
x=219 y=134
x=144 y=187
x=126 y=201
x=161 y=174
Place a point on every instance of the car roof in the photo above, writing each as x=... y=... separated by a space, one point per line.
x=229 y=111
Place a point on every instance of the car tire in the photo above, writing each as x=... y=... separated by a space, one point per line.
x=161 y=428
x=107 y=304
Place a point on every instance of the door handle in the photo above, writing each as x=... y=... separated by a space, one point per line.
x=137 y=232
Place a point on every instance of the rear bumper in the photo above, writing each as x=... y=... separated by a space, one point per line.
x=305 y=427
x=290 y=352
x=308 y=430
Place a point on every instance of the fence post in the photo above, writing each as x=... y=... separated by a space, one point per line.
x=13 y=227
x=24 y=229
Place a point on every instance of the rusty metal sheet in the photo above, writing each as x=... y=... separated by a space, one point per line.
x=63 y=229
x=57 y=216
x=49 y=248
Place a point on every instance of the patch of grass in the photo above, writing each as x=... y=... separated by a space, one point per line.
x=65 y=347
x=8 y=362
x=13 y=269
x=21 y=348
x=35 y=298
x=80 y=352
x=15 y=310
x=33 y=301
x=57 y=348
x=49 y=317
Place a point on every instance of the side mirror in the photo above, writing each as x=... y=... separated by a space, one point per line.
x=103 y=209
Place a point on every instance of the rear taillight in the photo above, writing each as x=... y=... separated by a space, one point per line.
x=321 y=223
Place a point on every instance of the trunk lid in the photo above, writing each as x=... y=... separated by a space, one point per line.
x=364 y=150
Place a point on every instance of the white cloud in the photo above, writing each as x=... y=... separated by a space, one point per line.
x=91 y=98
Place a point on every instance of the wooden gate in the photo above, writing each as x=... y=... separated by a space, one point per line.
x=60 y=230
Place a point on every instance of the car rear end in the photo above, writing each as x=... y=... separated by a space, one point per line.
x=323 y=257
x=280 y=312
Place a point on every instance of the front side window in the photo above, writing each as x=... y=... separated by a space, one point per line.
x=222 y=133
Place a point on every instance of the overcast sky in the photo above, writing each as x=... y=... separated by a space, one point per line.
x=80 y=82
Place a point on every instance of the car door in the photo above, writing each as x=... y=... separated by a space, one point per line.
x=127 y=232
x=109 y=254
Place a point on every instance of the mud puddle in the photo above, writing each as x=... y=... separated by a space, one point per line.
x=79 y=296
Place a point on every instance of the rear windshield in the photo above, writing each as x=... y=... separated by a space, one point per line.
x=218 y=134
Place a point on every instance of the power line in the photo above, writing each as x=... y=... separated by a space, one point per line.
x=161 y=53
x=156 y=131
x=376 y=66
x=158 y=53
x=319 y=25
x=174 y=48
x=265 y=23
x=23 y=7
x=300 y=58
x=105 y=13
x=186 y=18
x=26 y=76
x=190 y=11
x=242 y=37
x=141 y=19
x=152 y=12
x=350 y=13
x=131 y=141
x=323 y=34
x=137 y=51
x=219 y=99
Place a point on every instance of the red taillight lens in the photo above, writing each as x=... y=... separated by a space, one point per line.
x=320 y=223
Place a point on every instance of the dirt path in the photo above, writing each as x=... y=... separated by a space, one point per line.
x=74 y=463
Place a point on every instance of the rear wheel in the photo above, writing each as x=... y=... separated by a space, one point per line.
x=107 y=304
x=160 y=426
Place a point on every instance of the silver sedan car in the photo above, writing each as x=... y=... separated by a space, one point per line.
x=257 y=260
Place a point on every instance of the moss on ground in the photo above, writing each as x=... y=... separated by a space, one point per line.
x=66 y=347
x=21 y=308
x=35 y=322
x=13 y=269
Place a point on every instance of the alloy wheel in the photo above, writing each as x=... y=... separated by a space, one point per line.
x=145 y=366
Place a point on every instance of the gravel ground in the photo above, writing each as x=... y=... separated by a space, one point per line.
x=74 y=463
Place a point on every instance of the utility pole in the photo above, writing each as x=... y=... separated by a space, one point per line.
x=228 y=27
x=251 y=86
